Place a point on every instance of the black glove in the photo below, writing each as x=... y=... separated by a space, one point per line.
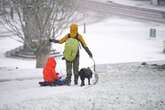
x=53 y=40
x=89 y=52
x=63 y=58
x=50 y=40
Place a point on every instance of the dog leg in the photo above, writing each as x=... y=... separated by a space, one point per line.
x=82 y=82
x=89 y=81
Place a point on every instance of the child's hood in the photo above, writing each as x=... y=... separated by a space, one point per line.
x=51 y=62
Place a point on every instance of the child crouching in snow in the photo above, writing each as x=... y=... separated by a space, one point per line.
x=50 y=76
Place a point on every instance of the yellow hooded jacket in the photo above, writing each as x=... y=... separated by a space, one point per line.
x=73 y=33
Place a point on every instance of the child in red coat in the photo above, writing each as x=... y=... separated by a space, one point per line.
x=50 y=76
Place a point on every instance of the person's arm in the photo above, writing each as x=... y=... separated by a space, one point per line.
x=62 y=40
x=88 y=51
x=54 y=40
x=84 y=45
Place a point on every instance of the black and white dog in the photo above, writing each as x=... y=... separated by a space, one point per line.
x=85 y=73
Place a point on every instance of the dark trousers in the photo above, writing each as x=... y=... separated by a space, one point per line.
x=72 y=66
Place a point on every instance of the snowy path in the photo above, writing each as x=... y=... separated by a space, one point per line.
x=128 y=86
x=121 y=8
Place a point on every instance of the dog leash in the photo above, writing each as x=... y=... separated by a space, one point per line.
x=95 y=74
x=94 y=66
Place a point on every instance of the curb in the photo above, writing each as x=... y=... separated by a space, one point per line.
x=19 y=53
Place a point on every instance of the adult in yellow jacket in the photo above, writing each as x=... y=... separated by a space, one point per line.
x=75 y=63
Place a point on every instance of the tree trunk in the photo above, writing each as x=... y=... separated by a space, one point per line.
x=41 y=60
x=42 y=56
x=26 y=48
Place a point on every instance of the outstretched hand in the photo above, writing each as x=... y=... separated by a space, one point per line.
x=53 y=40
x=90 y=55
x=50 y=40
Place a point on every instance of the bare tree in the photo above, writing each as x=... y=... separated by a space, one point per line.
x=35 y=21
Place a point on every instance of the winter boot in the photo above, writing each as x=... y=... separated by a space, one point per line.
x=75 y=79
x=67 y=80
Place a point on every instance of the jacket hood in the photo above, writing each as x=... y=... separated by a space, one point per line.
x=73 y=29
x=51 y=62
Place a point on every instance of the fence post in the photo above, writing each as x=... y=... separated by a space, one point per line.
x=152 y=33
x=164 y=46
x=84 y=28
x=155 y=2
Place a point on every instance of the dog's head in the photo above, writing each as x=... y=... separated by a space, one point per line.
x=89 y=72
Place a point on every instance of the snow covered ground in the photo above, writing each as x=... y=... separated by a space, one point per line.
x=118 y=40
x=122 y=86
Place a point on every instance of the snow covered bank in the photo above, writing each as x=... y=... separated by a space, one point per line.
x=129 y=86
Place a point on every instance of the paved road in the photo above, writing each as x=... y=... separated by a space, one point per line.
x=104 y=10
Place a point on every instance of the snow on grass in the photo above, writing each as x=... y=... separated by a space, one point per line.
x=123 y=87
x=114 y=40
x=117 y=40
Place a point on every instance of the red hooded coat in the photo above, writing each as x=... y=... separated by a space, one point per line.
x=49 y=72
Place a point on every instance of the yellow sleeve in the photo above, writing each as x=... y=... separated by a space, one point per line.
x=62 y=40
x=82 y=41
